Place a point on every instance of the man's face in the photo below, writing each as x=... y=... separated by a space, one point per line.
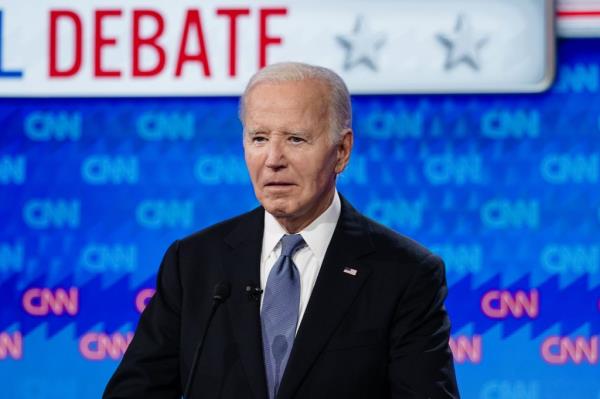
x=291 y=156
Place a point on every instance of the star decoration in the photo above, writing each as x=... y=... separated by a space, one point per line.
x=463 y=44
x=362 y=46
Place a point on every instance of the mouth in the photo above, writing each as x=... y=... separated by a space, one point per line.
x=279 y=184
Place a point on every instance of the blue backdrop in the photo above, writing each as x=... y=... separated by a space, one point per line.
x=504 y=187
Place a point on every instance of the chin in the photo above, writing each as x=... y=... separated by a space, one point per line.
x=277 y=211
x=278 y=208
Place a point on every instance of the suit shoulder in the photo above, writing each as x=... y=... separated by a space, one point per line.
x=392 y=243
x=403 y=256
x=219 y=230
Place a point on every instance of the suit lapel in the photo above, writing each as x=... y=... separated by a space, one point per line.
x=242 y=264
x=331 y=297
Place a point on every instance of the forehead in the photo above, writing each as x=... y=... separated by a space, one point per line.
x=295 y=101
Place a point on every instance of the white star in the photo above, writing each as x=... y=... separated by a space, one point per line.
x=361 y=46
x=462 y=44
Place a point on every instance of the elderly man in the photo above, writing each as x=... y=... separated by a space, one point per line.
x=349 y=308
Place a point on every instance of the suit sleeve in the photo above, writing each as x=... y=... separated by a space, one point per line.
x=421 y=364
x=150 y=367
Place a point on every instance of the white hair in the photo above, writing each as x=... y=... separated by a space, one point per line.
x=340 y=108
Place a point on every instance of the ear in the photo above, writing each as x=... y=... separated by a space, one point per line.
x=344 y=148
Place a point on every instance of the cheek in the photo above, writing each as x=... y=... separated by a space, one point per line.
x=253 y=165
x=322 y=174
x=315 y=179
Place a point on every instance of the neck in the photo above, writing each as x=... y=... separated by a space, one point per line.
x=294 y=225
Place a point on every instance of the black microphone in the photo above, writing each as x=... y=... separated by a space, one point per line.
x=221 y=293
x=253 y=292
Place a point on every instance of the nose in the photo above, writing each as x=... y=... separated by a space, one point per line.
x=275 y=155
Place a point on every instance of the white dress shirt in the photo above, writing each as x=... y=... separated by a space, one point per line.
x=309 y=258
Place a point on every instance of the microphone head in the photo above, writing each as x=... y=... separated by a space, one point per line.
x=222 y=291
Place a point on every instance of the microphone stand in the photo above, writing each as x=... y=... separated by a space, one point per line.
x=222 y=292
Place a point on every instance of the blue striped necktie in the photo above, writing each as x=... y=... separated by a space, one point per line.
x=279 y=315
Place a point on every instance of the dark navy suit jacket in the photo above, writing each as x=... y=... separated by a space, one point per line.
x=381 y=333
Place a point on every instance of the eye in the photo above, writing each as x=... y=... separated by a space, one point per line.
x=296 y=139
x=259 y=139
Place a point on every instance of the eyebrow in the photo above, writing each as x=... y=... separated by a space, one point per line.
x=296 y=133
x=252 y=132
x=255 y=131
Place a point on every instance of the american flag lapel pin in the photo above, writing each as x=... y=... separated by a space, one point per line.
x=350 y=270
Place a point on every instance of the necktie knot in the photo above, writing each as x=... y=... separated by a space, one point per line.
x=290 y=243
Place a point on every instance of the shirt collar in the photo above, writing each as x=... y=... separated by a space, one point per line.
x=317 y=235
